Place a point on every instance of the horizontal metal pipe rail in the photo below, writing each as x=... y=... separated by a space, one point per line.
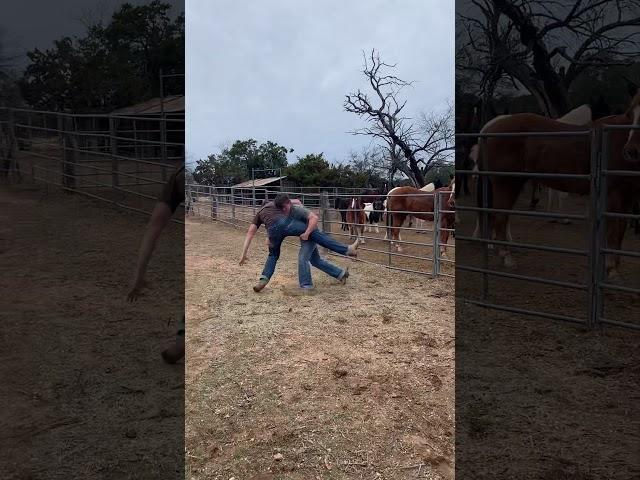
x=598 y=172
x=237 y=205
x=45 y=153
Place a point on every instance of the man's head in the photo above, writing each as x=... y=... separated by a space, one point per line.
x=283 y=202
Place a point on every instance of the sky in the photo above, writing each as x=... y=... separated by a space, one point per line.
x=280 y=69
x=21 y=31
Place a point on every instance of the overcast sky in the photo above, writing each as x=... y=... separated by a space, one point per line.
x=279 y=70
x=21 y=30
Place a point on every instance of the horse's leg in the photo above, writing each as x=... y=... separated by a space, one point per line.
x=535 y=199
x=505 y=194
x=397 y=220
x=616 y=228
x=444 y=234
x=615 y=233
x=561 y=195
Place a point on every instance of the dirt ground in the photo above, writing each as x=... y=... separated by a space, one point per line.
x=351 y=382
x=543 y=399
x=86 y=394
x=539 y=398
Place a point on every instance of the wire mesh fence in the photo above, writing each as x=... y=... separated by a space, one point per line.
x=422 y=245
x=118 y=159
x=565 y=260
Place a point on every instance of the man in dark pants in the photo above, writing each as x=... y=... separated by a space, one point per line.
x=171 y=197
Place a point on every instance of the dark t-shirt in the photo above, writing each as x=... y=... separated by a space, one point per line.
x=173 y=191
x=269 y=214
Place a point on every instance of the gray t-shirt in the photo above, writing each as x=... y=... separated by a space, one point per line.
x=300 y=212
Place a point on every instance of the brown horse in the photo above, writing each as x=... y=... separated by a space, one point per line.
x=402 y=200
x=561 y=155
x=356 y=218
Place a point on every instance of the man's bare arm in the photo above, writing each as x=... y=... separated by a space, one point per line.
x=159 y=219
x=251 y=232
x=312 y=224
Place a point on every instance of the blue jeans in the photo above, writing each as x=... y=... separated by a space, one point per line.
x=309 y=255
x=289 y=227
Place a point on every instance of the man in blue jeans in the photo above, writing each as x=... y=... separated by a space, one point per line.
x=284 y=219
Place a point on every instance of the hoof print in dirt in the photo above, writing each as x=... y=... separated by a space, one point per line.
x=359 y=388
x=340 y=372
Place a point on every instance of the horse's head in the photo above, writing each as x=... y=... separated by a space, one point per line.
x=631 y=150
x=378 y=204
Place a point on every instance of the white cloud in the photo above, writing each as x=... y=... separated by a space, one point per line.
x=279 y=70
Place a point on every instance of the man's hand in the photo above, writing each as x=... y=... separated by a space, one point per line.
x=243 y=260
x=135 y=291
x=305 y=236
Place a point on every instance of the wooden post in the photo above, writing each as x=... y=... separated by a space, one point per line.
x=233 y=204
x=63 y=145
x=324 y=211
x=436 y=234
x=114 y=151
x=136 y=151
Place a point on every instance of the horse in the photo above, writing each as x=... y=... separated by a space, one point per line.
x=421 y=205
x=581 y=116
x=342 y=204
x=374 y=212
x=562 y=155
x=356 y=219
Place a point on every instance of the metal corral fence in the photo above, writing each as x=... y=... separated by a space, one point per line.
x=421 y=247
x=593 y=288
x=121 y=160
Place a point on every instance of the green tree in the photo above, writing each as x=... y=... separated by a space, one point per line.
x=112 y=66
x=234 y=164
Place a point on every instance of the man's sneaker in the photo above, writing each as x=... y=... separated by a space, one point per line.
x=352 y=250
x=258 y=287
x=343 y=280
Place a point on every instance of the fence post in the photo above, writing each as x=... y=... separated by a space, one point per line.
x=388 y=236
x=324 y=210
x=114 y=151
x=214 y=204
x=436 y=234
x=485 y=235
x=136 y=148
x=233 y=204
x=600 y=262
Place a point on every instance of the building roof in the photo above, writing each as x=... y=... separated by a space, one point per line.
x=259 y=182
x=172 y=104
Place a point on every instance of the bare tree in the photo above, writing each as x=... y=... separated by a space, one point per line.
x=420 y=148
x=544 y=45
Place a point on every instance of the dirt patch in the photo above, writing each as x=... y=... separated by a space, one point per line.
x=332 y=385
x=86 y=393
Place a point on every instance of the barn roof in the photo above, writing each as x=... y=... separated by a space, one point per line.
x=259 y=182
x=172 y=104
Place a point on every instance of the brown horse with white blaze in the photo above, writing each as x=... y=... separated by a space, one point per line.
x=402 y=200
x=562 y=155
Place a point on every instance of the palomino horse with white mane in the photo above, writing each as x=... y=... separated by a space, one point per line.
x=561 y=155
